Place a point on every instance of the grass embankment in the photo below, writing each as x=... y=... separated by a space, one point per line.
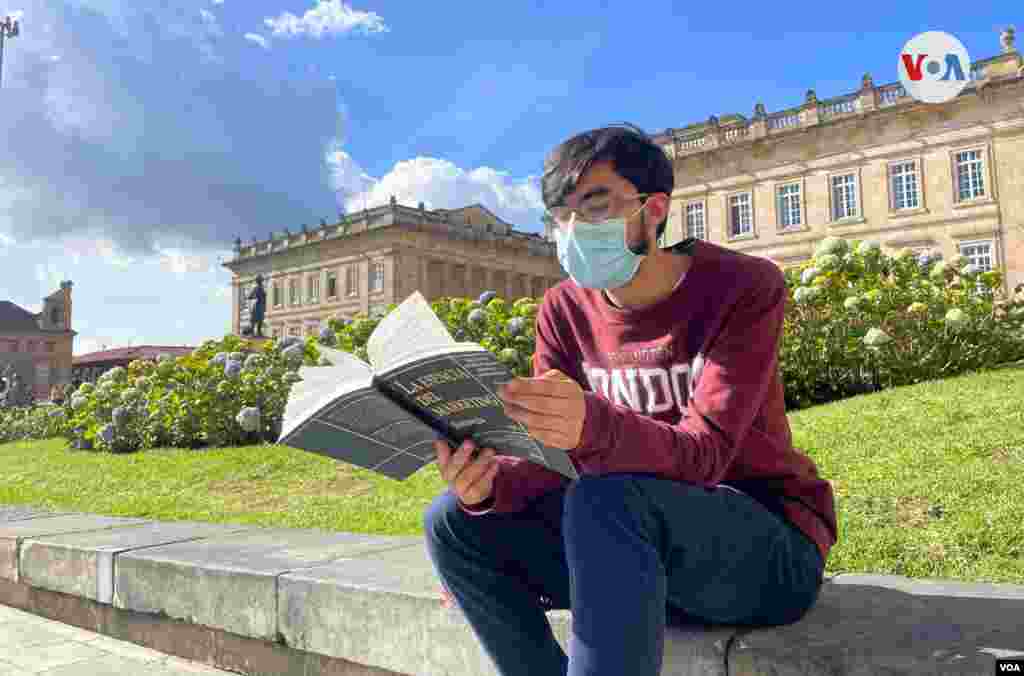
x=927 y=481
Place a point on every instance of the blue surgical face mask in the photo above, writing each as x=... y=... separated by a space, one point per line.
x=595 y=255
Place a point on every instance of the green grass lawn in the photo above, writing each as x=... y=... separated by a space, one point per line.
x=927 y=480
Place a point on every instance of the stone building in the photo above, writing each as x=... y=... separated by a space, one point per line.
x=378 y=256
x=39 y=346
x=89 y=367
x=870 y=164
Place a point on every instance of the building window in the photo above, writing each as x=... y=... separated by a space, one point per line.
x=294 y=331
x=313 y=289
x=788 y=200
x=903 y=185
x=332 y=285
x=42 y=373
x=844 y=196
x=970 y=180
x=293 y=291
x=695 y=226
x=275 y=332
x=275 y=294
x=741 y=221
x=978 y=254
x=377 y=277
x=351 y=286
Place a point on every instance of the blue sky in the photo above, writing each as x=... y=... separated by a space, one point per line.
x=139 y=137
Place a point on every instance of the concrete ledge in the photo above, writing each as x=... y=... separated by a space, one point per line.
x=267 y=600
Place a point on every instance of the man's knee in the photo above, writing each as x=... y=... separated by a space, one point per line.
x=439 y=518
x=599 y=500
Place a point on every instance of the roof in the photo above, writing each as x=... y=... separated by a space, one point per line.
x=14 y=318
x=128 y=354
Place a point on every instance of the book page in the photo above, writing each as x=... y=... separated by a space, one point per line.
x=321 y=384
x=411 y=327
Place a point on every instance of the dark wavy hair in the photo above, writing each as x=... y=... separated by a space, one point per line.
x=633 y=155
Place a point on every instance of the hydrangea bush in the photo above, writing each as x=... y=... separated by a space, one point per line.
x=861 y=320
x=858 y=320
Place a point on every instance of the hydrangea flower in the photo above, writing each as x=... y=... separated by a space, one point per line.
x=327 y=336
x=516 y=325
x=107 y=433
x=120 y=416
x=831 y=245
x=917 y=308
x=868 y=246
x=78 y=401
x=487 y=296
x=253 y=361
x=876 y=338
x=827 y=262
x=509 y=354
x=293 y=354
x=956 y=319
x=248 y=418
x=219 y=358
x=233 y=368
x=939 y=270
x=808 y=275
x=477 y=316
x=236 y=356
x=805 y=294
x=852 y=302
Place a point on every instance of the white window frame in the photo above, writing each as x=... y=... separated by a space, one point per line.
x=313 y=288
x=376 y=281
x=985 y=179
x=276 y=294
x=294 y=292
x=332 y=275
x=781 y=209
x=702 y=227
x=918 y=180
x=991 y=243
x=749 y=232
x=858 y=211
x=351 y=280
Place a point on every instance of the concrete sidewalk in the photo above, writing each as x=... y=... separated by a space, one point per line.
x=30 y=644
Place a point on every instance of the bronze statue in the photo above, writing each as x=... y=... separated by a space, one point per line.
x=258 y=308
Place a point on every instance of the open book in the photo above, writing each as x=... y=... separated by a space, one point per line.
x=420 y=385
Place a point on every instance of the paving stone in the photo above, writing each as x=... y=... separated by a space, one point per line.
x=384 y=610
x=47 y=656
x=83 y=563
x=13 y=533
x=877 y=624
x=230 y=581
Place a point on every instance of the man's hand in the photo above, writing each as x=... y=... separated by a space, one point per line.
x=551 y=408
x=470 y=475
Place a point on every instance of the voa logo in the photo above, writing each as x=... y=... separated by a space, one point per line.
x=934 y=67
x=1009 y=668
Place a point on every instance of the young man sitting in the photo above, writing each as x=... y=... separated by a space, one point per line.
x=656 y=367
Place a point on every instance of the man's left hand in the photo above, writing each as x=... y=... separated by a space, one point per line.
x=551 y=407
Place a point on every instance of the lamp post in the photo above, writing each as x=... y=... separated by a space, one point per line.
x=8 y=29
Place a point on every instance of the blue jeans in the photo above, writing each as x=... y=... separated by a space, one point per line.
x=622 y=551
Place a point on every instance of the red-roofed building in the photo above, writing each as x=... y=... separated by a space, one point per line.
x=38 y=345
x=89 y=367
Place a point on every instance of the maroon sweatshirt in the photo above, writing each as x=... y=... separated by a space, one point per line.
x=687 y=389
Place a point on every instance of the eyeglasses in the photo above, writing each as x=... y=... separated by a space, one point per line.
x=593 y=209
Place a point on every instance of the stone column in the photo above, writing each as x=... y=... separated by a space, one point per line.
x=867 y=97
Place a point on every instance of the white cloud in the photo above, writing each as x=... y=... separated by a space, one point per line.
x=258 y=39
x=218 y=2
x=439 y=184
x=329 y=17
x=105 y=249
x=210 y=20
x=182 y=262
